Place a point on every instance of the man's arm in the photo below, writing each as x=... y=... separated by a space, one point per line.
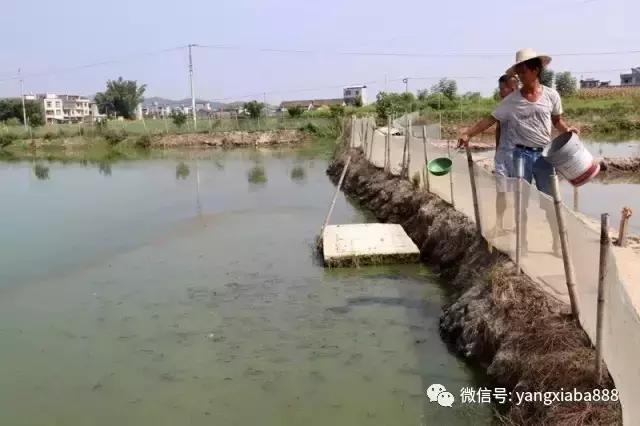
x=477 y=128
x=559 y=123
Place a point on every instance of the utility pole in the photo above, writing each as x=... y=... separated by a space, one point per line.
x=406 y=84
x=24 y=109
x=193 y=98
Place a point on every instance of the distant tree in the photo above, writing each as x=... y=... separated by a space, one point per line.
x=178 y=118
x=388 y=104
x=566 y=84
x=295 y=111
x=447 y=87
x=11 y=112
x=122 y=97
x=423 y=94
x=546 y=77
x=472 y=96
x=254 y=108
x=496 y=95
x=358 y=101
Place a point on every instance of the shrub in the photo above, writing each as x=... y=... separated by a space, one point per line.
x=101 y=126
x=295 y=111
x=144 y=142
x=7 y=139
x=415 y=180
x=179 y=118
x=114 y=137
x=310 y=128
x=49 y=136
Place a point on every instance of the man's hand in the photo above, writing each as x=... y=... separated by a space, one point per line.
x=463 y=140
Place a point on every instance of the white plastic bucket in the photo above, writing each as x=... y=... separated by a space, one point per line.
x=571 y=159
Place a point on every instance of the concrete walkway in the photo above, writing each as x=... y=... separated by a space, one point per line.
x=621 y=337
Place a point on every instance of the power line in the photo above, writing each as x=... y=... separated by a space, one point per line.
x=404 y=54
x=128 y=58
x=374 y=82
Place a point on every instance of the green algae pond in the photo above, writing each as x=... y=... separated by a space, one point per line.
x=182 y=288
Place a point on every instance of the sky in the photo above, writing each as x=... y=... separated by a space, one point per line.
x=52 y=41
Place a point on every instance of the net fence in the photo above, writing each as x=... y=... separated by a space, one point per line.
x=541 y=257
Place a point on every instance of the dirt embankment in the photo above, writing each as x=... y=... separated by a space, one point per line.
x=616 y=166
x=232 y=138
x=497 y=319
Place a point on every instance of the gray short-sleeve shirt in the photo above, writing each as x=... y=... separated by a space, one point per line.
x=529 y=123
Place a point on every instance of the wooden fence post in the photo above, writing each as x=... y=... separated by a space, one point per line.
x=387 y=142
x=564 y=243
x=450 y=173
x=426 y=158
x=474 y=192
x=520 y=176
x=624 y=220
x=602 y=275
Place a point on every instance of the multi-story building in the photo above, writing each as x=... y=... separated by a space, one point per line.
x=66 y=108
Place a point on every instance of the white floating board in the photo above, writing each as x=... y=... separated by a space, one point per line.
x=366 y=243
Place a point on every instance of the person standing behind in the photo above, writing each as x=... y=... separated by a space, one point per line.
x=504 y=164
x=530 y=114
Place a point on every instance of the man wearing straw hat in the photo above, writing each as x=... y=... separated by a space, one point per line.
x=530 y=114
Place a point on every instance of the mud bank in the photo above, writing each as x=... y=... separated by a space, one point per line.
x=613 y=166
x=232 y=139
x=524 y=339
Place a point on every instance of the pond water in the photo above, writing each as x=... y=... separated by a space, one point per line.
x=609 y=195
x=169 y=291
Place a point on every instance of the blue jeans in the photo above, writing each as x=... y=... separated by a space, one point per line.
x=535 y=167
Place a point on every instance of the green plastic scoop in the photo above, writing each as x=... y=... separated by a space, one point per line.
x=439 y=166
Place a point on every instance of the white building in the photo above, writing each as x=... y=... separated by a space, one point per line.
x=66 y=108
x=156 y=110
x=352 y=93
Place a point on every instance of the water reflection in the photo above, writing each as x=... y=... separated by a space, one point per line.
x=298 y=174
x=104 y=167
x=182 y=171
x=257 y=175
x=41 y=171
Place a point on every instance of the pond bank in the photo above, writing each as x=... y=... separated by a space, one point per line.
x=232 y=138
x=524 y=339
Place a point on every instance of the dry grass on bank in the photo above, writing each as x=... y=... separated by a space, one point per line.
x=544 y=350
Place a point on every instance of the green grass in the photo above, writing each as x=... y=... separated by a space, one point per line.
x=52 y=132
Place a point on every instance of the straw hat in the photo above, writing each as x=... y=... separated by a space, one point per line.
x=526 y=54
